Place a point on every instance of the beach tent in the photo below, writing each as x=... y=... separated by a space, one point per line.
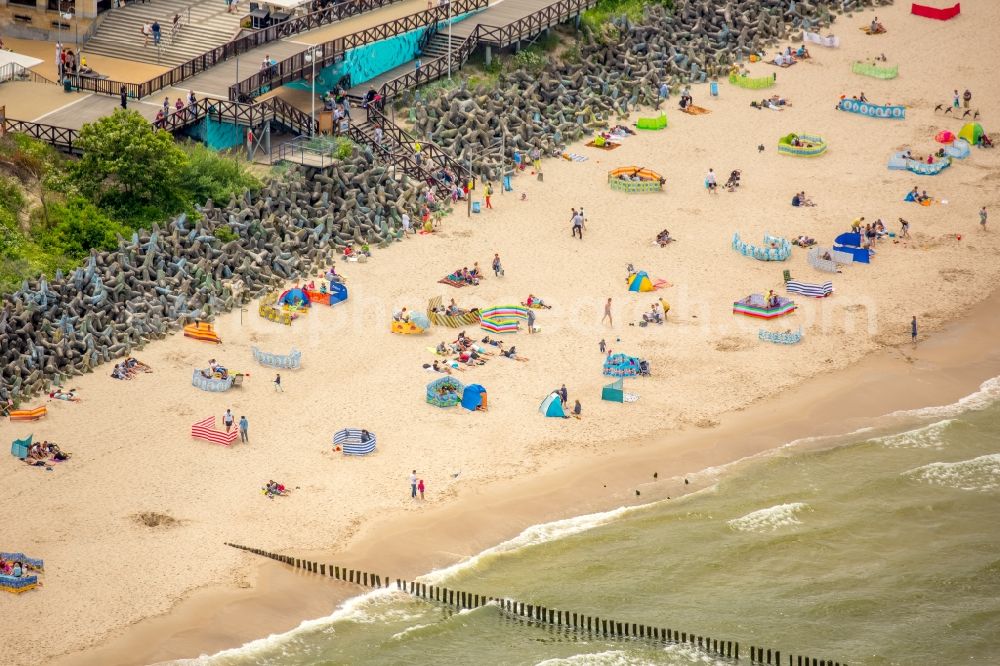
x=19 y=447
x=944 y=136
x=445 y=391
x=850 y=243
x=615 y=392
x=640 y=282
x=552 y=406
x=971 y=132
x=622 y=365
x=474 y=397
x=295 y=297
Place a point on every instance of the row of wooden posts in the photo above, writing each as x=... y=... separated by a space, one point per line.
x=541 y=615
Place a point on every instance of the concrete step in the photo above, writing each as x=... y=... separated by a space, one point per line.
x=203 y=26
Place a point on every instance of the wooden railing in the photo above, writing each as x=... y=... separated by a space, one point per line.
x=299 y=65
x=231 y=49
x=532 y=24
x=502 y=36
x=431 y=69
x=60 y=137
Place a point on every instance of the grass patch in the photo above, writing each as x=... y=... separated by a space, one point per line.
x=595 y=19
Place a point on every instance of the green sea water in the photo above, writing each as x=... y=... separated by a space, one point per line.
x=877 y=548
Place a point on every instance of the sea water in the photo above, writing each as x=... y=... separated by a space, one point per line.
x=882 y=548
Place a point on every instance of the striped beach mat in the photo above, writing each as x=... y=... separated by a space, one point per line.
x=573 y=157
x=807 y=289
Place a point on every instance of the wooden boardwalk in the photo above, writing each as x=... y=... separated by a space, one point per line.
x=497 y=15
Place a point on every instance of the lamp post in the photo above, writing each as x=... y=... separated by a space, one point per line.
x=449 y=40
x=314 y=52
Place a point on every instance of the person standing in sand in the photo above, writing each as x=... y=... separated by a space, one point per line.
x=277 y=384
x=227 y=419
x=913 y=330
x=420 y=488
x=602 y=345
x=497 y=268
x=244 y=428
x=487 y=193
x=413 y=484
x=710 y=183
x=607 y=313
x=982 y=218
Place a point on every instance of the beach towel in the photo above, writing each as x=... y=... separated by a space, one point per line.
x=452 y=281
x=607 y=145
x=695 y=110
x=573 y=157
x=830 y=41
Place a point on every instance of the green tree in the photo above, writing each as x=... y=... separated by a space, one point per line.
x=127 y=164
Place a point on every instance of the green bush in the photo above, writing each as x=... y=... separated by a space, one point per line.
x=127 y=165
x=75 y=227
x=598 y=18
x=208 y=175
x=225 y=234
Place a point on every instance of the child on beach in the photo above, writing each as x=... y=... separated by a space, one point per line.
x=420 y=488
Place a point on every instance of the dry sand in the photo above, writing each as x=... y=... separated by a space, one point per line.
x=133 y=453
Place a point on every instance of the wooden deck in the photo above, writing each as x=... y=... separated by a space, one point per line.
x=94 y=107
x=499 y=14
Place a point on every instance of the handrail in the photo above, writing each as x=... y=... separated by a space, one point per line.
x=233 y=48
x=296 y=66
x=62 y=137
x=533 y=23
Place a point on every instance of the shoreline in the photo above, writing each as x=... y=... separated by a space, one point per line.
x=950 y=364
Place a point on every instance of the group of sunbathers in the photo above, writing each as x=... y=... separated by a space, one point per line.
x=664 y=238
x=774 y=102
x=274 y=489
x=129 y=368
x=875 y=27
x=41 y=452
x=788 y=57
x=351 y=252
x=15 y=568
x=536 y=303
x=467 y=353
x=918 y=196
x=804 y=241
x=800 y=199
x=465 y=275
x=654 y=316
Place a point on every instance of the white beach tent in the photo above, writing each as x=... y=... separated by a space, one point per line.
x=12 y=64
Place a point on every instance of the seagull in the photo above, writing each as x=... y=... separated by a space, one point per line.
x=454 y=475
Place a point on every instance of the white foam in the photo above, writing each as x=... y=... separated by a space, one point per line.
x=769 y=519
x=978 y=474
x=930 y=436
x=355 y=609
x=608 y=658
x=532 y=536
x=987 y=394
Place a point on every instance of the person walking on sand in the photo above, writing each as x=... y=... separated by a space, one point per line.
x=913 y=330
x=531 y=320
x=982 y=218
x=277 y=383
x=420 y=488
x=227 y=419
x=497 y=268
x=607 y=313
x=602 y=345
x=563 y=395
x=904 y=228
x=487 y=193
x=413 y=484
x=578 y=224
x=710 y=183
x=244 y=427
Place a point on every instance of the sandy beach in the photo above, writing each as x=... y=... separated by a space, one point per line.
x=717 y=394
